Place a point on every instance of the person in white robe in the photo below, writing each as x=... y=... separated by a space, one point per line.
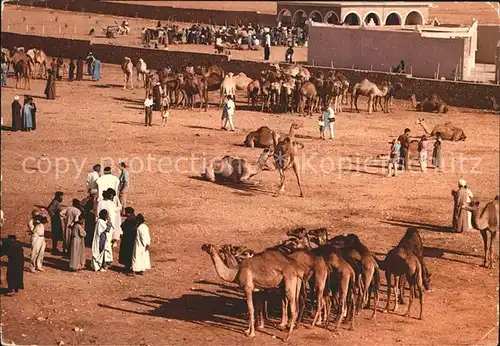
x=107 y=181
x=470 y=196
x=101 y=244
x=140 y=258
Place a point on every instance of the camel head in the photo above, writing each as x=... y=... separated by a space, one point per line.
x=209 y=248
x=297 y=233
x=127 y=59
x=318 y=236
x=230 y=74
x=246 y=254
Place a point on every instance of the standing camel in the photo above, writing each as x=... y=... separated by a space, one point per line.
x=285 y=156
x=367 y=88
x=142 y=69
x=307 y=92
x=486 y=222
x=227 y=87
x=128 y=70
x=266 y=269
x=22 y=70
x=38 y=58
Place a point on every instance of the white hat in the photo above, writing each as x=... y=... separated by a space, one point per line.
x=16 y=97
x=462 y=182
x=157 y=83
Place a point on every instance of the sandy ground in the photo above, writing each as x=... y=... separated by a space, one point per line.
x=181 y=300
x=261 y=6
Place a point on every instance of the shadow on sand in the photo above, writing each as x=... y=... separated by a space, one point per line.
x=250 y=188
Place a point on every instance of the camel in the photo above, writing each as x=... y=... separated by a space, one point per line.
x=234 y=169
x=285 y=156
x=241 y=81
x=432 y=103
x=318 y=236
x=207 y=71
x=400 y=261
x=250 y=277
x=263 y=138
x=307 y=92
x=253 y=91
x=494 y=105
x=413 y=242
x=128 y=70
x=195 y=85
x=447 y=130
x=22 y=70
x=367 y=88
x=142 y=69
x=486 y=222
x=227 y=87
x=388 y=98
x=38 y=57
x=333 y=90
x=295 y=71
x=212 y=82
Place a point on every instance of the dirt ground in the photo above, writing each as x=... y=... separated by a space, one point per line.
x=261 y=6
x=182 y=300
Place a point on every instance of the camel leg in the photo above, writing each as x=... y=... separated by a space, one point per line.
x=124 y=82
x=328 y=309
x=343 y=297
x=412 y=295
x=291 y=293
x=250 y=332
x=353 y=298
x=297 y=175
x=356 y=102
x=370 y=104
x=375 y=300
x=396 y=288
x=388 y=280
x=493 y=235
x=402 y=284
x=368 y=279
x=284 y=309
x=282 y=182
x=484 y=235
x=131 y=81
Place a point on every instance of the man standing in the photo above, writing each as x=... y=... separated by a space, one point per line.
x=148 y=109
x=79 y=69
x=28 y=115
x=140 y=258
x=394 y=157
x=404 y=139
x=37 y=231
x=50 y=88
x=96 y=69
x=15 y=265
x=90 y=59
x=289 y=55
x=107 y=181
x=54 y=210
x=267 y=44
x=72 y=67
x=460 y=217
x=92 y=180
x=157 y=92
x=228 y=112
x=129 y=228
x=70 y=216
x=123 y=186
x=17 y=117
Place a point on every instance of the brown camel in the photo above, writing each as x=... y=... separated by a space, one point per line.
x=253 y=91
x=195 y=85
x=22 y=71
x=447 y=130
x=128 y=71
x=250 y=276
x=263 y=138
x=398 y=262
x=285 y=156
x=432 y=103
x=234 y=169
x=369 y=89
x=486 y=222
x=212 y=82
x=307 y=92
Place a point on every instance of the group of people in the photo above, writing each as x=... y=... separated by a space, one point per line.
x=23 y=116
x=399 y=157
x=159 y=101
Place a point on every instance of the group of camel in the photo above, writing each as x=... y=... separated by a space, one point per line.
x=25 y=64
x=340 y=272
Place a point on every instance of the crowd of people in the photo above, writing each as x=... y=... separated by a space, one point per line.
x=241 y=34
x=100 y=221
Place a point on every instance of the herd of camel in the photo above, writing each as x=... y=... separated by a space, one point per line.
x=25 y=63
x=339 y=273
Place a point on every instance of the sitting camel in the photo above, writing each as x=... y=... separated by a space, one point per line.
x=447 y=130
x=128 y=70
x=367 y=88
x=285 y=156
x=250 y=276
x=486 y=221
x=432 y=103
x=234 y=169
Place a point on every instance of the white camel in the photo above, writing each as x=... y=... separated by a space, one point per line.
x=128 y=70
x=142 y=68
x=227 y=87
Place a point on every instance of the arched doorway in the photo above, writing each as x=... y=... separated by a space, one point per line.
x=316 y=16
x=414 y=18
x=299 y=17
x=393 y=19
x=372 y=16
x=352 y=19
x=285 y=17
x=331 y=18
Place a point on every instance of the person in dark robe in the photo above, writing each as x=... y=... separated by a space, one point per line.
x=54 y=210
x=72 y=67
x=17 y=117
x=89 y=60
x=53 y=65
x=129 y=228
x=50 y=88
x=77 y=252
x=157 y=97
x=90 y=219
x=79 y=69
x=33 y=113
x=15 y=265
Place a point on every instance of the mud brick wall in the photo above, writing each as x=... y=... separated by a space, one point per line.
x=52 y=46
x=158 y=12
x=487 y=38
x=460 y=94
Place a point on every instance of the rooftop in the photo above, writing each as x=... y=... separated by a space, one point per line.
x=359 y=3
